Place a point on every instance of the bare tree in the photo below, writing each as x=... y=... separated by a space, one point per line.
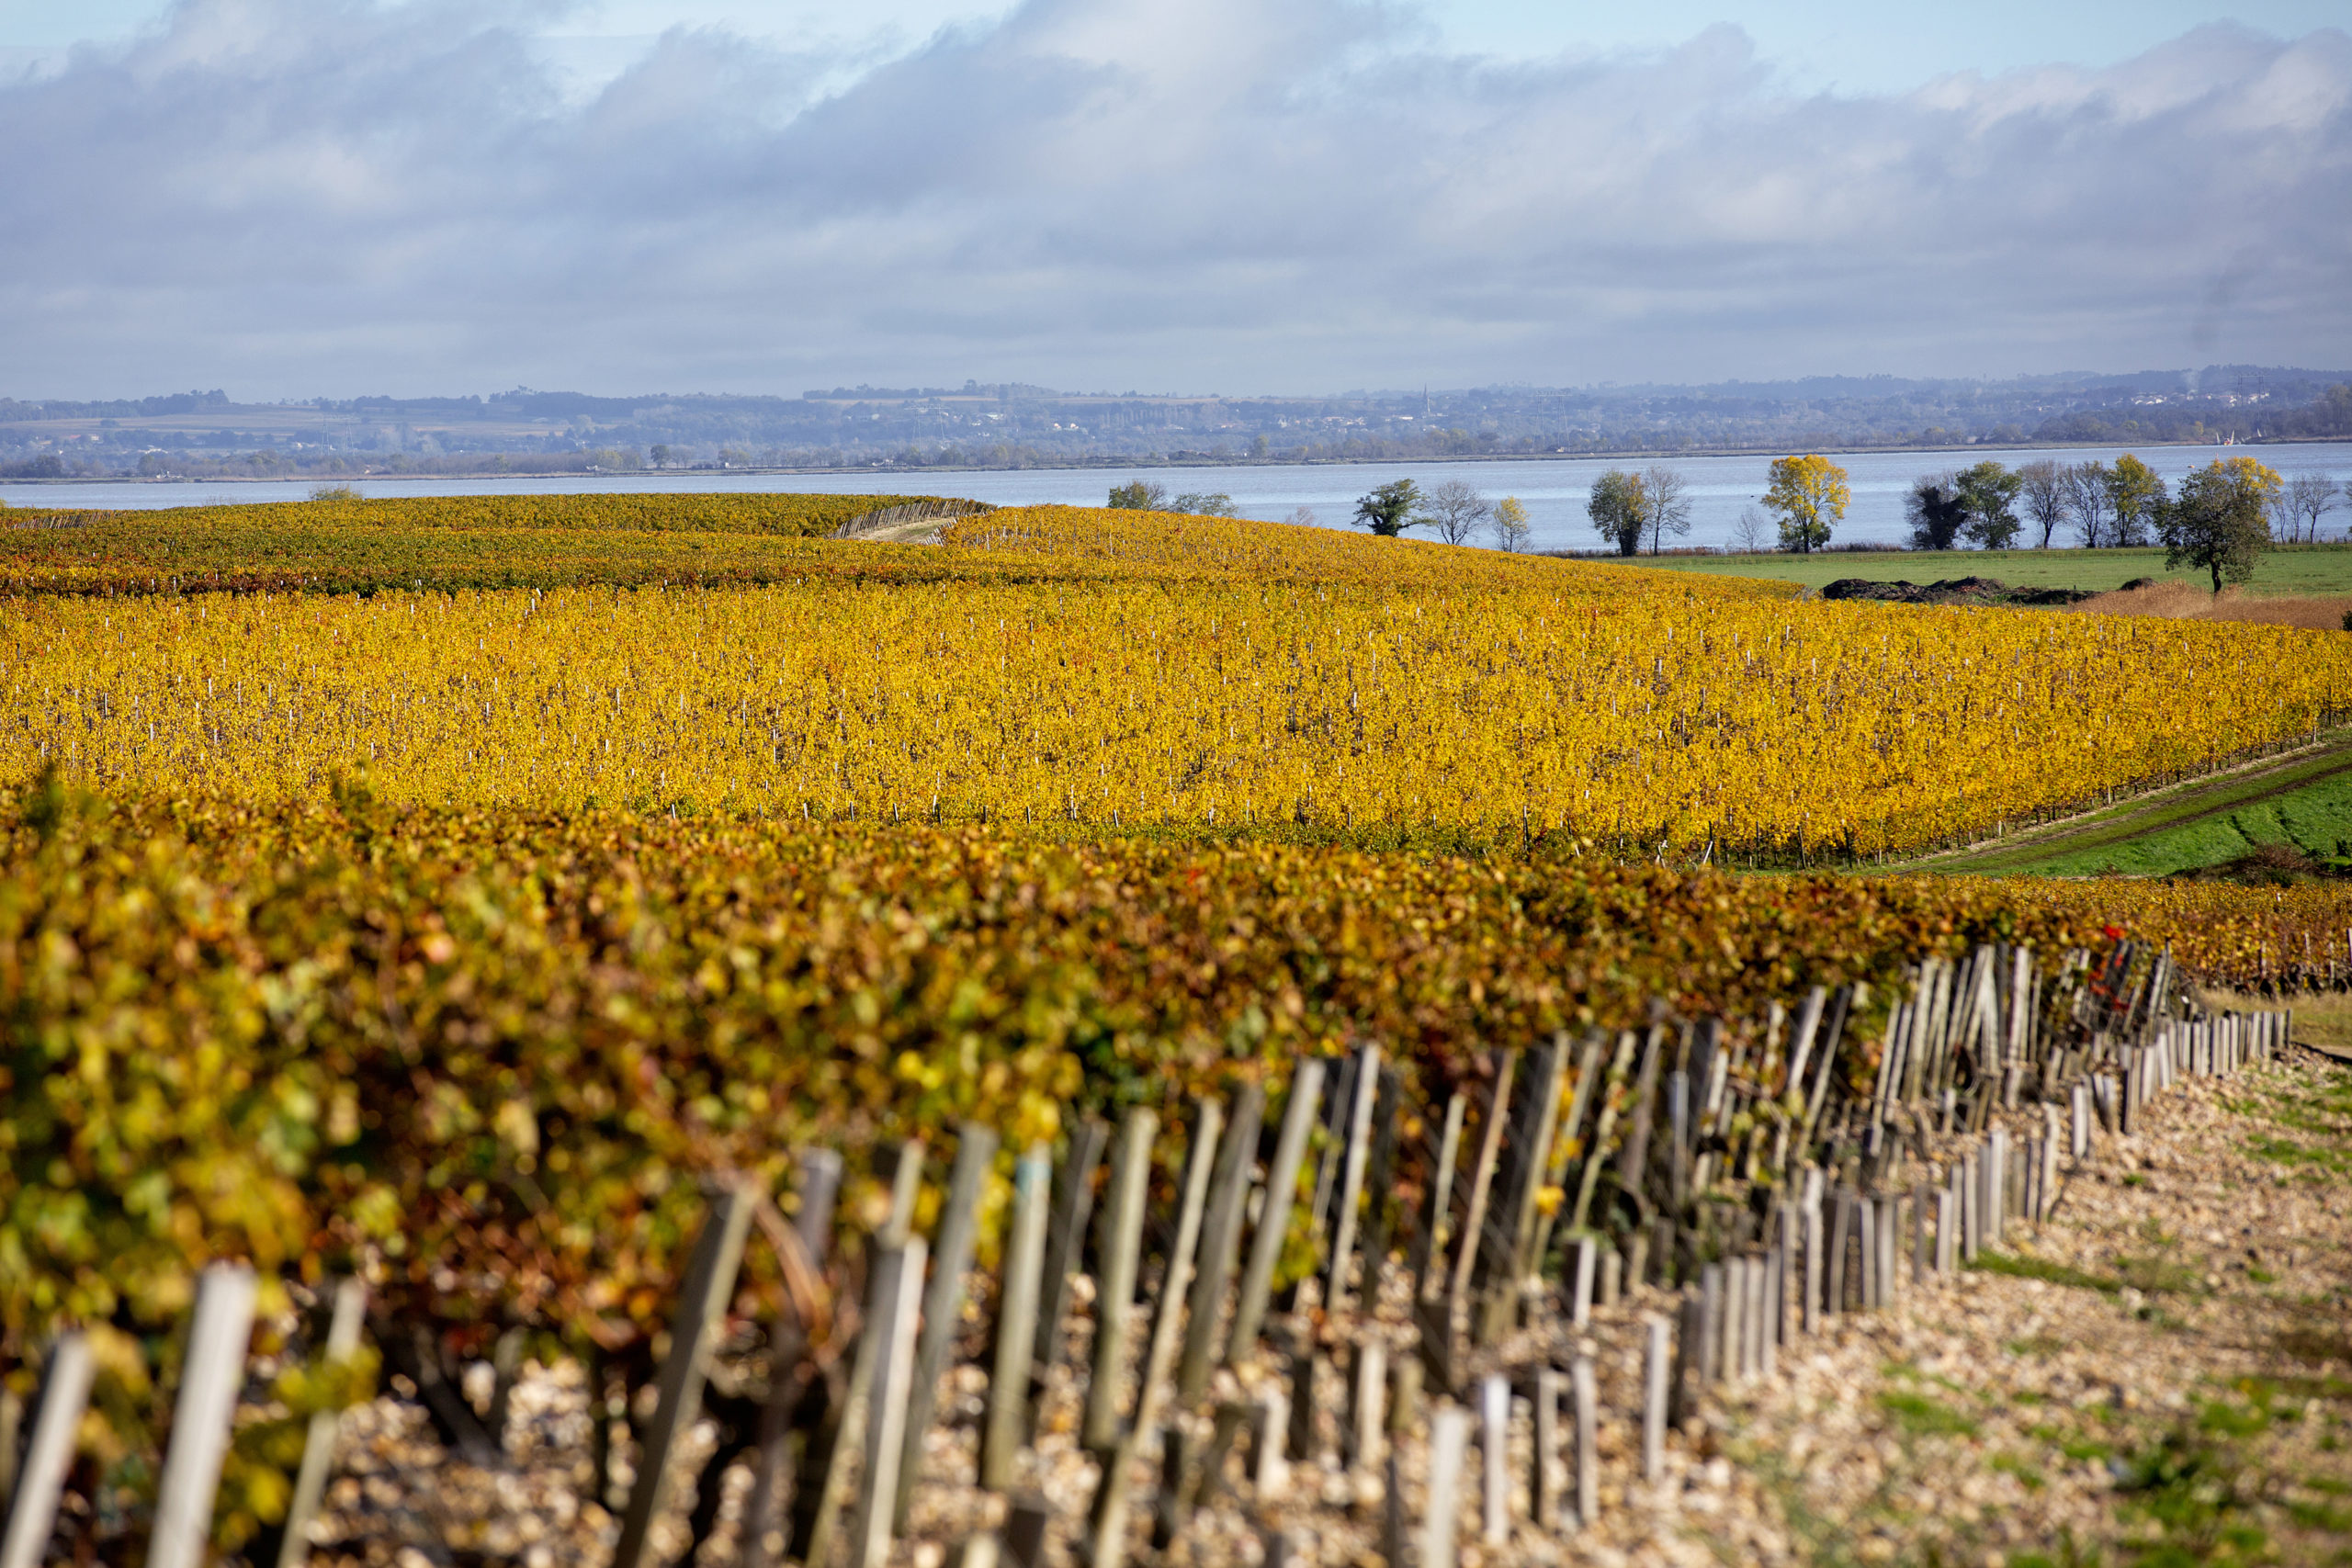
x=1754 y=531
x=2043 y=488
x=1301 y=517
x=1667 y=504
x=2087 y=503
x=2306 y=500
x=1456 y=509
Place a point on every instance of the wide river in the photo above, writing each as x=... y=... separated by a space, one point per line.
x=1554 y=490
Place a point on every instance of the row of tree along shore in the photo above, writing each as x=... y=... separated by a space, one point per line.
x=1453 y=510
x=2219 y=520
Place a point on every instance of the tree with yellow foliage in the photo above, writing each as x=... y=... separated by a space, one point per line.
x=1811 y=495
x=2221 y=519
x=1511 y=530
x=2135 y=496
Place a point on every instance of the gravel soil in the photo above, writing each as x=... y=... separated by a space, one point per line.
x=2161 y=1375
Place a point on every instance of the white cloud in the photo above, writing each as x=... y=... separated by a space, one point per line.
x=298 y=196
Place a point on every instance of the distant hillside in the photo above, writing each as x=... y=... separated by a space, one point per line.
x=1014 y=425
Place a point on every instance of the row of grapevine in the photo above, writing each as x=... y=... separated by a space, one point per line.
x=488 y=1056
x=1749 y=1166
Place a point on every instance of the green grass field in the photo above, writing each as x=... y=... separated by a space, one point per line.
x=2291 y=569
x=2304 y=802
x=2317 y=819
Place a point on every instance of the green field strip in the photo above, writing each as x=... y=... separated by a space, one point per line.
x=2308 y=800
x=2289 y=570
x=2315 y=819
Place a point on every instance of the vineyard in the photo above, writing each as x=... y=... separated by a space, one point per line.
x=1083 y=673
x=321 y=1016
x=464 y=939
x=443 y=543
x=482 y=1061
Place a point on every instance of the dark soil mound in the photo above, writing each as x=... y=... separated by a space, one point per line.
x=2271 y=865
x=1957 y=590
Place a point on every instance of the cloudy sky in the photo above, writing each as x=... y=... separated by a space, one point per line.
x=298 y=197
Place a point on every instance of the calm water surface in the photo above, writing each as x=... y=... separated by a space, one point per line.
x=1554 y=490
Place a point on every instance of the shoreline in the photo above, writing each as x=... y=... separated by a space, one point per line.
x=1155 y=462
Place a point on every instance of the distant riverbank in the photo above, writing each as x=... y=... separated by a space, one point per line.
x=1552 y=487
x=1637 y=455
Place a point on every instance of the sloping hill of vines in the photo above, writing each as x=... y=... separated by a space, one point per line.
x=1081 y=674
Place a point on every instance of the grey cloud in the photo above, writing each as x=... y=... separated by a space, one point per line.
x=290 y=196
